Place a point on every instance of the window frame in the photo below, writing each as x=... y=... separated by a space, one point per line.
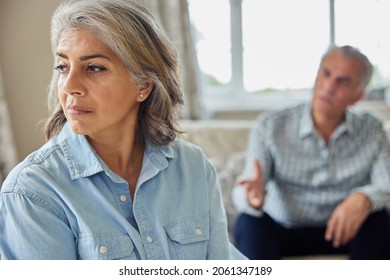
x=233 y=96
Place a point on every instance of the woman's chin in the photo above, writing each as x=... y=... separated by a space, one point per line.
x=78 y=129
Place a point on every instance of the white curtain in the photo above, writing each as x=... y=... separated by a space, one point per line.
x=8 y=155
x=174 y=17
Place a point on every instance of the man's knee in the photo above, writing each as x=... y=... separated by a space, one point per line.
x=256 y=237
x=246 y=225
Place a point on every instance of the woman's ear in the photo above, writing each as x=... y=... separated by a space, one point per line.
x=144 y=91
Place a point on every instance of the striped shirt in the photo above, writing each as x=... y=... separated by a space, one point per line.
x=305 y=177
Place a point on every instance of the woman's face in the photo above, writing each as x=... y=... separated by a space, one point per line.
x=95 y=89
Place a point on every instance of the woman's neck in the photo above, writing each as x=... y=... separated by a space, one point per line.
x=123 y=156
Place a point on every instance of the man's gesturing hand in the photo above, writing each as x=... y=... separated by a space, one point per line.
x=254 y=186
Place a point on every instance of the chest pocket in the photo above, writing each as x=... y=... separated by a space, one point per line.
x=105 y=246
x=189 y=237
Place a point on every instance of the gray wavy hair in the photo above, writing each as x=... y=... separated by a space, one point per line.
x=352 y=52
x=133 y=34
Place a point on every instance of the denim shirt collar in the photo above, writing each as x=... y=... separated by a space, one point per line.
x=83 y=161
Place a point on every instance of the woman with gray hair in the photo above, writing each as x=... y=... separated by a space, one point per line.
x=113 y=182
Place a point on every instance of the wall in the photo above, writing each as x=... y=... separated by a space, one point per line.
x=26 y=63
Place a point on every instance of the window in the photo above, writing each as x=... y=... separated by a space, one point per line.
x=270 y=50
x=211 y=21
x=367 y=27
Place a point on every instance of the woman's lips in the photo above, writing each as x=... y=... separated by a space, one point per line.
x=77 y=110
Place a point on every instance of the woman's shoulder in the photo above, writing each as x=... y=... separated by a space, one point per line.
x=34 y=166
x=182 y=151
x=185 y=147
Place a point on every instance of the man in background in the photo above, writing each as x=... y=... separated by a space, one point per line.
x=317 y=177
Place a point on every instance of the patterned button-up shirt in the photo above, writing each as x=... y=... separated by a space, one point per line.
x=306 y=178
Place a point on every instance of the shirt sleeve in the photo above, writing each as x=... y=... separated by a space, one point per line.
x=258 y=148
x=220 y=246
x=378 y=189
x=30 y=231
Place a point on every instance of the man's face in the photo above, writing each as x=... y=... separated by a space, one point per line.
x=337 y=85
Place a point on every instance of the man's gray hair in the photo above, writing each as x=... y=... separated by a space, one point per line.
x=352 y=52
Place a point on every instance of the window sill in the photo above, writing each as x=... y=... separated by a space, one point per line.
x=248 y=107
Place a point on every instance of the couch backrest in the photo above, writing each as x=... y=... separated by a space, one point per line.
x=218 y=138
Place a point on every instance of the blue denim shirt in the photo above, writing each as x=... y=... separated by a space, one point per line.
x=63 y=202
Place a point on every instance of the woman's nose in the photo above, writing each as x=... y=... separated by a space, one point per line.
x=73 y=84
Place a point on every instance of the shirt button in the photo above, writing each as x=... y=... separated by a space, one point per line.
x=102 y=249
x=149 y=239
x=198 y=231
x=123 y=198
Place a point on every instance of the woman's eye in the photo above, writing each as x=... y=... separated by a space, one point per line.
x=61 y=68
x=95 y=68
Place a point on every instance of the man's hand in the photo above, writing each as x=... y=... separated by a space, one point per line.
x=254 y=186
x=347 y=219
